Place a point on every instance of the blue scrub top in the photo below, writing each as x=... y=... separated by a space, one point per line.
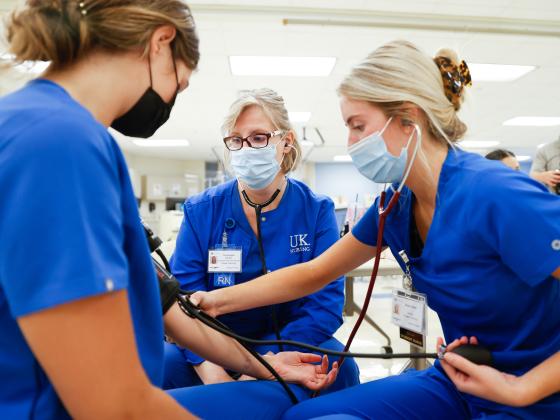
x=69 y=229
x=487 y=261
x=302 y=227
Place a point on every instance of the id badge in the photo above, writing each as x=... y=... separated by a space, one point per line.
x=224 y=260
x=409 y=310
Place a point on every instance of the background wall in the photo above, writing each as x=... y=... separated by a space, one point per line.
x=342 y=182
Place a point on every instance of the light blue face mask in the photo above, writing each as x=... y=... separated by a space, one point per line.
x=373 y=160
x=256 y=168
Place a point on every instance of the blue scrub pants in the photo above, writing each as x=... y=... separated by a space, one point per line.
x=412 y=395
x=178 y=373
x=245 y=400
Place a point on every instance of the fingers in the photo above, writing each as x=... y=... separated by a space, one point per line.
x=449 y=370
x=196 y=298
x=322 y=381
x=310 y=358
x=332 y=375
x=460 y=363
x=460 y=341
x=325 y=364
x=457 y=342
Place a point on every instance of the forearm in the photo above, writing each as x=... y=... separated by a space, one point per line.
x=210 y=344
x=542 y=380
x=279 y=286
x=296 y=281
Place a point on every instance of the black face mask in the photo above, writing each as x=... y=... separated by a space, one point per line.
x=148 y=114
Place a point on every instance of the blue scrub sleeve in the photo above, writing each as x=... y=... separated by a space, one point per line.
x=188 y=265
x=518 y=218
x=316 y=317
x=61 y=230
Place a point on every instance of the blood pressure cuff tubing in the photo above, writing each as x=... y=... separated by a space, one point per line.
x=169 y=287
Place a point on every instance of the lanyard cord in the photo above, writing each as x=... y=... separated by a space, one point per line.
x=258 y=211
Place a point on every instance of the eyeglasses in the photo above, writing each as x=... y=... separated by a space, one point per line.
x=256 y=141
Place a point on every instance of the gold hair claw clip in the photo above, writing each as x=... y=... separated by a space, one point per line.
x=82 y=7
x=465 y=73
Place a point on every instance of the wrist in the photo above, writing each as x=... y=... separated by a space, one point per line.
x=527 y=392
x=265 y=374
x=220 y=301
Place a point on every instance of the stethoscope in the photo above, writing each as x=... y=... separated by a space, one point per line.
x=383 y=214
x=258 y=213
x=474 y=353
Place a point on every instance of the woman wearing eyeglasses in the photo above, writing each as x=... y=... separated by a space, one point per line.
x=481 y=241
x=218 y=244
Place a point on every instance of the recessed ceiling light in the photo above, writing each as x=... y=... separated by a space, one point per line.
x=498 y=72
x=299 y=117
x=161 y=143
x=523 y=158
x=540 y=145
x=533 y=121
x=281 y=66
x=342 y=158
x=478 y=144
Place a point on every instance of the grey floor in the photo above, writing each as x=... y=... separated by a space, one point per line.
x=369 y=340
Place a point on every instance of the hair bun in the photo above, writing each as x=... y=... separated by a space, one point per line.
x=455 y=75
x=45 y=31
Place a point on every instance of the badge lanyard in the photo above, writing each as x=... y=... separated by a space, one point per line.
x=383 y=213
x=409 y=308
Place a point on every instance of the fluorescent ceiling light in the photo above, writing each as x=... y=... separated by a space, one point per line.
x=533 y=121
x=478 y=144
x=161 y=143
x=306 y=143
x=299 y=117
x=281 y=66
x=523 y=158
x=342 y=158
x=33 y=67
x=498 y=72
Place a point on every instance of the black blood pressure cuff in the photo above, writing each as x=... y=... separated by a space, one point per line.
x=169 y=287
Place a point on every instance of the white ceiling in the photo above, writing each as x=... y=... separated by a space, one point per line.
x=255 y=28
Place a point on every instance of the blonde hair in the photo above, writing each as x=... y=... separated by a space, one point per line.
x=63 y=31
x=274 y=108
x=398 y=74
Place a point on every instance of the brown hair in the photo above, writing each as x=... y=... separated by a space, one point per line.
x=63 y=31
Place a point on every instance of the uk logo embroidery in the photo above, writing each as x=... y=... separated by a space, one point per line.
x=299 y=243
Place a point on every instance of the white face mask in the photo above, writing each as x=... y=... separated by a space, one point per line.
x=256 y=168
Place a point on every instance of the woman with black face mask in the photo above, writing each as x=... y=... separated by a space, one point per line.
x=80 y=310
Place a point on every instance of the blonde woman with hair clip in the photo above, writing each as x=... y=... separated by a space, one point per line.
x=481 y=242
x=265 y=221
x=80 y=310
